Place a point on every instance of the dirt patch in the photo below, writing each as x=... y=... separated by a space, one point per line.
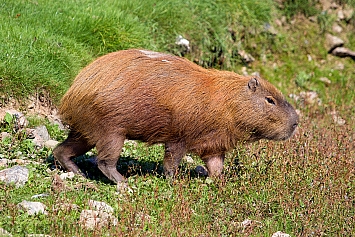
x=37 y=105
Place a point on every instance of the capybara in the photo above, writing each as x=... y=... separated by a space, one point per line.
x=161 y=98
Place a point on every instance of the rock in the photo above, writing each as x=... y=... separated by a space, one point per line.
x=188 y=159
x=32 y=208
x=51 y=144
x=5 y=135
x=325 y=80
x=348 y=14
x=343 y=52
x=336 y=118
x=100 y=206
x=247 y=58
x=310 y=97
x=3 y=162
x=184 y=43
x=17 y=175
x=339 y=66
x=340 y=15
x=333 y=42
x=67 y=175
x=122 y=187
x=40 y=135
x=312 y=18
x=91 y=219
x=4 y=233
x=280 y=234
x=337 y=28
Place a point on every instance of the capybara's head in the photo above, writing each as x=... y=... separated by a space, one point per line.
x=266 y=112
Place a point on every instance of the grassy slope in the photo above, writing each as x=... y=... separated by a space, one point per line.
x=304 y=186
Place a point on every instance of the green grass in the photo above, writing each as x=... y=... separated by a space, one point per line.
x=303 y=186
x=45 y=43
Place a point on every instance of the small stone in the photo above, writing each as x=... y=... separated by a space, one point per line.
x=100 y=206
x=337 y=119
x=343 y=52
x=181 y=41
x=51 y=144
x=17 y=175
x=339 y=66
x=325 y=80
x=5 y=135
x=40 y=135
x=280 y=234
x=340 y=15
x=333 y=42
x=310 y=97
x=122 y=187
x=188 y=159
x=67 y=175
x=246 y=57
x=32 y=208
x=4 y=233
x=3 y=162
x=91 y=219
x=246 y=223
x=337 y=28
x=348 y=14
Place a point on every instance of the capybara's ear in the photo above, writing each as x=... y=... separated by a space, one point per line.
x=253 y=84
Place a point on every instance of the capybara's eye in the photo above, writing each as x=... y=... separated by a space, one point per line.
x=270 y=100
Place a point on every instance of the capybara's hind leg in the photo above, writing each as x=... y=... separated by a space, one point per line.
x=109 y=149
x=172 y=158
x=214 y=164
x=75 y=145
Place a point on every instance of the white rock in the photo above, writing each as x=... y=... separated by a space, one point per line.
x=51 y=144
x=188 y=159
x=5 y=135
x=91 y=219
x=183 y=42
x=325 y=80
x=246 y=56
x=310 y=97
x=67 y=175
x=337 y=119
x=280 y=234
x=32 y=208
x=337 y=28
x=3 y=162
x=333 y=42
x=100 y=206
x=4 y=233
x=17 y=175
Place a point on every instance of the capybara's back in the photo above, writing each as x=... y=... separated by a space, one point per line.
x=160 y=98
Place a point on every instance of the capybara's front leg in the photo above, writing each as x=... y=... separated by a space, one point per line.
x=75 y=145
x=172 y=158
x=214 y=164
x=109 y=149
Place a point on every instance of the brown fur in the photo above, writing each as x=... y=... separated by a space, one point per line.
x=160 y=98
